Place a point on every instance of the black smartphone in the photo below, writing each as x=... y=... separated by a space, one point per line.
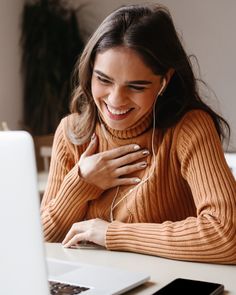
x=191 y=287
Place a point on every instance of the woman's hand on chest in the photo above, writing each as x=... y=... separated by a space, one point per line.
x=111 y=168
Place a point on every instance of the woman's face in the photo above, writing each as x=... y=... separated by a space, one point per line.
x=123 y=87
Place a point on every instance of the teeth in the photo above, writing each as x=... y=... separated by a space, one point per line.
x=117 y=112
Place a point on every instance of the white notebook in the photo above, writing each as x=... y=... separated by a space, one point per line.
x=23 y=266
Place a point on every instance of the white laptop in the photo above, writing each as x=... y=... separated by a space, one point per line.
x=231 y=161
x=23 y=267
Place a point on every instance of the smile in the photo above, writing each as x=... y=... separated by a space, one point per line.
x=118 y=114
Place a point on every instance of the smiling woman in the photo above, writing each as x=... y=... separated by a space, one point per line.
x=123 y=87
x=138 y=165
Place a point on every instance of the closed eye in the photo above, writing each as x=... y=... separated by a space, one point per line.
x=103 y=80
x=137 y=88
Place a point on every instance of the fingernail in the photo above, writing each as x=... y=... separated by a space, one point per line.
x=146 y=152
x=136 y=147
x=143 y=164
x=136 y=180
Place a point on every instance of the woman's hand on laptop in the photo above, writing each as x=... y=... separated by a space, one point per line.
x=93 y=230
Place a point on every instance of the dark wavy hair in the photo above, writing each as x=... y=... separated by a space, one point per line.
x=148 y=30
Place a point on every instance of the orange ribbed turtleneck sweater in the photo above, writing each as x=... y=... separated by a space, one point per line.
x=186 y=210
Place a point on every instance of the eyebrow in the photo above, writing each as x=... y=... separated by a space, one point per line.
x=139 y=82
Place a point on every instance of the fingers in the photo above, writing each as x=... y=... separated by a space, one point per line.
x=93 y=230
x=75 y=235
x=75 y=240
x=125 y=170
x=128 y=181
x=91 y=149
x=119 y=178
x=130 y=158
x=71 y=233
x=107 y=169
x=121 y=151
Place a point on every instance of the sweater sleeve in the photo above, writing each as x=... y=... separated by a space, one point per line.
x=210 y=236
x=67 y=195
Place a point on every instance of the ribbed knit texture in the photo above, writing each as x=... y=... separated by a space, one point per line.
x=186 y=210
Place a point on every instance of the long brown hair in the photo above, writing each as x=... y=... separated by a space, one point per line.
x=150 y=31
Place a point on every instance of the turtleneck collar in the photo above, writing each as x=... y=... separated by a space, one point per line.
x=140 y=127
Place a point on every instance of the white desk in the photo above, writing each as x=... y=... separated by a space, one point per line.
x=161 y=270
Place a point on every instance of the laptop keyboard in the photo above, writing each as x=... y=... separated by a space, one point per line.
x=65 y=289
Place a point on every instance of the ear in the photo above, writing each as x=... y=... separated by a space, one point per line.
x=168 y=76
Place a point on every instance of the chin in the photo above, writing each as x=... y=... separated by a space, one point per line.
x=117 y=126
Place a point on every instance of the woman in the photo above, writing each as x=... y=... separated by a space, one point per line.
x=138 y=165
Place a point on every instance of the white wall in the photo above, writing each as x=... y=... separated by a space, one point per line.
x=207 y=27
x=10 y=79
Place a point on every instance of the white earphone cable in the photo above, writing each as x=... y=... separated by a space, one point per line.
x=113 y=205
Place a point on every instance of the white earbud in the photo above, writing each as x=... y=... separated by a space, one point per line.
x=113 y=204
x=162 y=88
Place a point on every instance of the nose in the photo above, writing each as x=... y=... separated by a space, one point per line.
x=117 y=97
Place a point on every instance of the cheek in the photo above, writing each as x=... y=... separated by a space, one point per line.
x=97 y=89
x=146 y=101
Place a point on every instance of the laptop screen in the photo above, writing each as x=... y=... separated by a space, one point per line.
x=23 y=267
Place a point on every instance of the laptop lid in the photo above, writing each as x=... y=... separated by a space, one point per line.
x=23 y=267
x=22 y=263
